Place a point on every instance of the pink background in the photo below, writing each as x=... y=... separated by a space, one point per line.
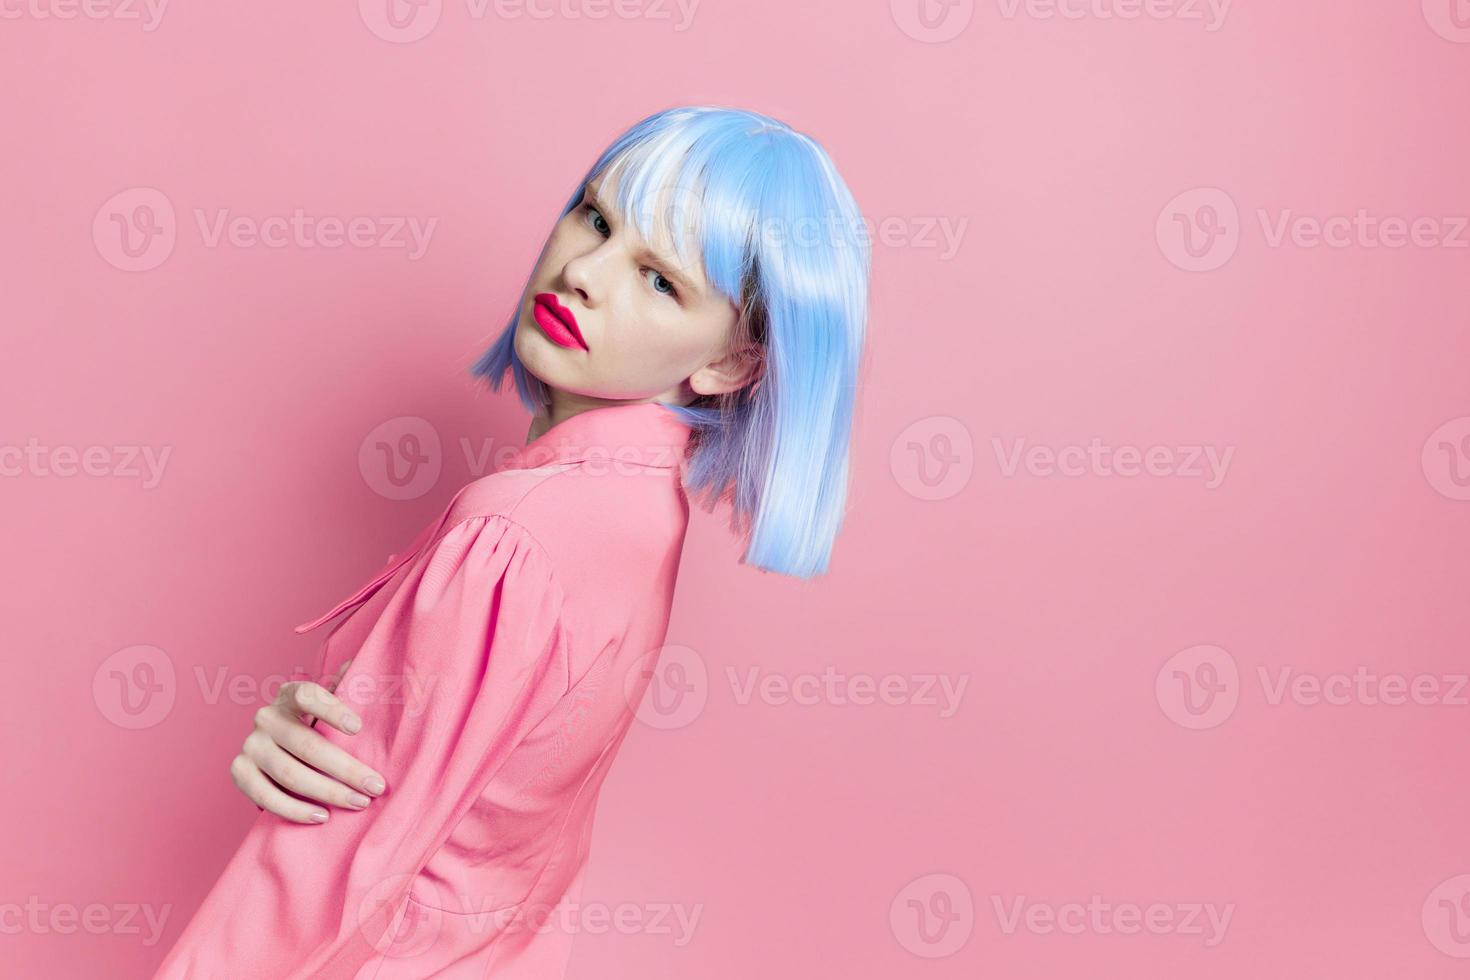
x=1082 y=612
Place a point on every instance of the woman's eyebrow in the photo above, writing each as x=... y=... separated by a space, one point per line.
x=672 y=268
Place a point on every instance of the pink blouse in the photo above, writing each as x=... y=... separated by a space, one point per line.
x=496 y=665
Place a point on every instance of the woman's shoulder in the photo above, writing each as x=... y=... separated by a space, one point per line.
x=623 y=520
x=498 y=494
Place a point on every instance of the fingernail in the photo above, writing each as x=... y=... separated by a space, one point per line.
x=353 y=724
x=318 y=816
x=358 y=800
x=374 y=785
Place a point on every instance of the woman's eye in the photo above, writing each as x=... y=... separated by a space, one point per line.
x=599 y=223
x=662 y=284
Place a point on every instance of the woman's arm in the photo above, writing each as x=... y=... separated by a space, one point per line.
x=469 y=655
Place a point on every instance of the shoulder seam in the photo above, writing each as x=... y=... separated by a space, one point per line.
x=568 y=466
x=566 y=598
x=539 y=484
x=512 y=522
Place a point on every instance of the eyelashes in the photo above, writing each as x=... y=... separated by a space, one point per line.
x=590 y=210
x=599 y=224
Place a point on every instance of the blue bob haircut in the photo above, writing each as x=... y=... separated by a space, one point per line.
x=779 y=234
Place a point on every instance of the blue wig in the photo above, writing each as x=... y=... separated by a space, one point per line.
x=777 y=232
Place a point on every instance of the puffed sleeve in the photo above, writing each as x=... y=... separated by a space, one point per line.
x=469 y=655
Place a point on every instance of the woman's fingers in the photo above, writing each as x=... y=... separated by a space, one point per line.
x=308 y=745
x=288 y=773
x=281 y=722
x=260 y=790
x=308 y=698
x=283 y=754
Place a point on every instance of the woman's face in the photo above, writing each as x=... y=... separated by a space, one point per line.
x=651 y=328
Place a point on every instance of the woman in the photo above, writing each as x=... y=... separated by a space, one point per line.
x=694 y=324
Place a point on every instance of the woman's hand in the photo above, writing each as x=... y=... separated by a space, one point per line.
x=283 y=752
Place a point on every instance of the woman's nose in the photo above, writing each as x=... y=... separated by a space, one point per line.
x=581 y=275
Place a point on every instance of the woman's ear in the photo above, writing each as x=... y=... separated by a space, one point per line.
x=729 y=372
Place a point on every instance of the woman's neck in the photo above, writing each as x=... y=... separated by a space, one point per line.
x=564 y=405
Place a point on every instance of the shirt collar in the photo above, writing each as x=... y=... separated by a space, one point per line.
x=640 y=433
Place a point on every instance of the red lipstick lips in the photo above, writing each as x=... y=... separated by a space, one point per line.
x=557 y=322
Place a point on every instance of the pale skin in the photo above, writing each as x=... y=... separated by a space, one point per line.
x=655 y=330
